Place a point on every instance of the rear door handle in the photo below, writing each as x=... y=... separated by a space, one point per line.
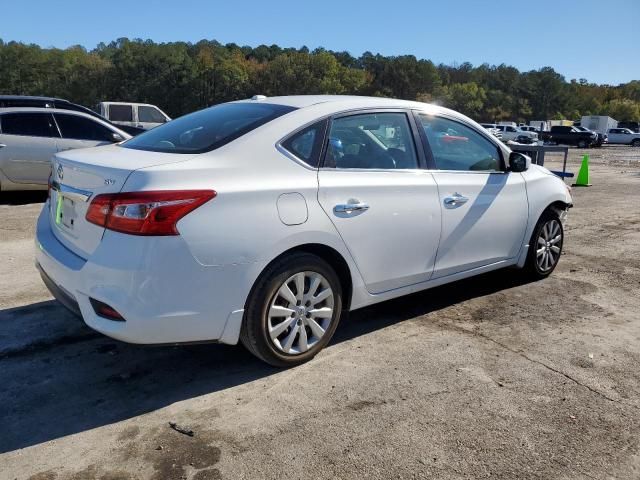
x=455 y=200
x=350 y=207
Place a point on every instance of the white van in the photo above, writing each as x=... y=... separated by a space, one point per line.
x=141 y=115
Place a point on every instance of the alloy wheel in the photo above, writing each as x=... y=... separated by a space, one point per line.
x=300 y=312
x=549 y=245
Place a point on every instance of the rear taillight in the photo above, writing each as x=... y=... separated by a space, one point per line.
x=145 y=213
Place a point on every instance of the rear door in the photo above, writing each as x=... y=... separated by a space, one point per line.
x=382 y=203
x=78 y=131
x=484 y=208
x=29 y=142
x=614 y=136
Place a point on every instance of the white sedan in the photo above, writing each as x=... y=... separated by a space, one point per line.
x=264 y=220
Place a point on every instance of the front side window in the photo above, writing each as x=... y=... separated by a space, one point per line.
x=371 y=141
x=121 y=113
x=457 y=147
x=76 y=127
x=307 y=143
x=207 y=129
x=150 y=115
x=28 y=124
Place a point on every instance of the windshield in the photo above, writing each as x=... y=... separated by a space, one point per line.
x=207 y=129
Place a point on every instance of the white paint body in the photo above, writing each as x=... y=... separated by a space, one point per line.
x=194 y=286
x=25 y=161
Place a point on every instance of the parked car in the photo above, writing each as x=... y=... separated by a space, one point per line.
x=624 y=136
x=602 y=137
x=264 y=220
x=491 y=127
x=528 y=128
x=140 y=115
x=8 y=101
x=564 y=135
x=29 y=137
x=510 y=132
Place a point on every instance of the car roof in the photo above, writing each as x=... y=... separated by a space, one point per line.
x=31 y=97
x=302 y=101
x=46 y=110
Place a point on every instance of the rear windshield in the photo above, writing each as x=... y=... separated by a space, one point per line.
x=207 y=129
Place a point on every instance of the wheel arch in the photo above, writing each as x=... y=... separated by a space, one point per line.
x=330 y=255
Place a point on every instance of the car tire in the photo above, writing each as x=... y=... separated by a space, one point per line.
x=305 y=320
x=545 y=246
x=582 y=144
x=635 y=143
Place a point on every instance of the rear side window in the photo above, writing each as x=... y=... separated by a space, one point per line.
x=457 y=147
x=76 y=127
x=150 y=114
x=307 y=143
x=121 y=113
x=28 y=124
x=207 y=129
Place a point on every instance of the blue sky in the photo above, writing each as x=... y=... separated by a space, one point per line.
x=590 y=39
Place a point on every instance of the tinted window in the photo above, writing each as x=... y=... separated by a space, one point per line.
x=207 y=129
x=307 y=143
x=457 y=147
x=375 y=141
x=121 y=113
x=150 y=114
x=30 y=124
x=80 y=128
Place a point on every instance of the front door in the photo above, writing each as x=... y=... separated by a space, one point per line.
x=382 y=204
x=29 y=141
x=484 y=207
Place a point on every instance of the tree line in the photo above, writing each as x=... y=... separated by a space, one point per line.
x=182 y=77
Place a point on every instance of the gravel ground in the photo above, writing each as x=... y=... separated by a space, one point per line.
x=488 y=377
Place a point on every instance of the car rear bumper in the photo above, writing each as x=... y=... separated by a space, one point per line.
x=155 y=284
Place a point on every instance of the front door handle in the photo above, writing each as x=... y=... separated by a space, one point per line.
x=455 y=200
x=350 y=207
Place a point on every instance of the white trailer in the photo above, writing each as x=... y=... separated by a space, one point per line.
x=598 y=123
x=540 y=125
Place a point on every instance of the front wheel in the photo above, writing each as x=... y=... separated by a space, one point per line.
x=293 y=310
x=582 y=144
x=545 y=247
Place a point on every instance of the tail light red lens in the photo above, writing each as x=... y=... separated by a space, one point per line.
x=145 y=213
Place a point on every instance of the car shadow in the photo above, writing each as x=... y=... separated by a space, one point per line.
x=23 y=197
x=79 y=380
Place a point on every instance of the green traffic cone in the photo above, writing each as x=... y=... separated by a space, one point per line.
x=583 y=174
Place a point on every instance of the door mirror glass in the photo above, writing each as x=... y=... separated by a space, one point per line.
x=519 y=162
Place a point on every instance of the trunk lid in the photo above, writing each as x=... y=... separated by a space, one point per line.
x=79 y=175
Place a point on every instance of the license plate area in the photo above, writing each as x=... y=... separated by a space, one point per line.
x=65 y=212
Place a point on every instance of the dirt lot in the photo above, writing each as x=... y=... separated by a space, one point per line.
x=487 y=377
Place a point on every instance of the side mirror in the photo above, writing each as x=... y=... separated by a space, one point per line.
x=519 y=162
x=116 y=137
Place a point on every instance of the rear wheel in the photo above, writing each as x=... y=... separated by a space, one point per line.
x=582 y=144
x=545 y=246
x=636 y=142
x=293 y=310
